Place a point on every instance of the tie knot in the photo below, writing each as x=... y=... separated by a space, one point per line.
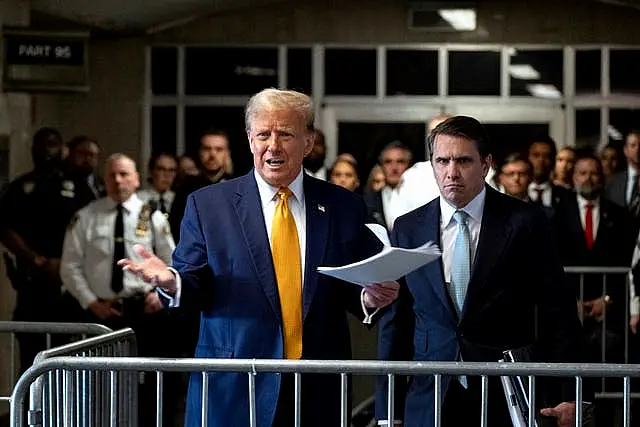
x=119 y=207
x=284 y=193
x=461 y=217
x=589 y=205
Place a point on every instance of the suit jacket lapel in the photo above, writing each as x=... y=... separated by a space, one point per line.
x=248 y=207
x=434 y=270
x=494 y=234
x=317 y=214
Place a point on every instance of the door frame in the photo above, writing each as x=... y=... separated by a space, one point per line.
x=332 y=115
x=553 y=115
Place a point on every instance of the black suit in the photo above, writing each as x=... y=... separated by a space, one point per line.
x=613 y=247
x=375 y=210
x=508 y=283
x=616 y=189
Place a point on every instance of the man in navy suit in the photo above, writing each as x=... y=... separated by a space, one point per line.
x=223 y=266
x=498 y=267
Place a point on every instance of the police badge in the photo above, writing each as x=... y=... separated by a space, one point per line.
x=144 y=220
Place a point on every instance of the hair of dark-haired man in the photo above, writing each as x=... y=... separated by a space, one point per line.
x=319 y=137
x=515 y=158
x=154 y=158
x=77 y=140
x=465 y=127
x=546 y=139
x=214 y=132
x=392 y=146
x=44 y=133
x=587 y=155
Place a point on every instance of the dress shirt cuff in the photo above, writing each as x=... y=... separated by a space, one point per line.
x=173 y=300
x=367 y=317
x=634 y=306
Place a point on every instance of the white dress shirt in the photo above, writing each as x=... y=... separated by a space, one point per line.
x=449 y=229
x=391 y=204
x=151 y=194
x=321 y=173
x=631 y=177
x=582 y=207
x=418 y=187
x=546 y=193
x=87 y=256
x=269 y=199
x=634 y=300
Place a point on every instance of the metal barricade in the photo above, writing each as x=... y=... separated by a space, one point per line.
x=83 y=330
x=85 y=398
x=253 y=367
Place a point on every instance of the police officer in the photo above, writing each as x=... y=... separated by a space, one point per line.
x=163 y=168
x=102 y=233
x=34 y=214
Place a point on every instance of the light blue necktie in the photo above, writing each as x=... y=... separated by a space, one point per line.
x=461 y=265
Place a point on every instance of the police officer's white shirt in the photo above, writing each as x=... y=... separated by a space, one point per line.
x=151 y=194
x=87 y=257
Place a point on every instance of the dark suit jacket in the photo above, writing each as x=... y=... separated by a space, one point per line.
x=375 y=211
x=613 y=247
x=508 y=282
x=224 y=261
x=616 y=189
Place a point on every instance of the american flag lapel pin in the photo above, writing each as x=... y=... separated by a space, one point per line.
x=321 y=208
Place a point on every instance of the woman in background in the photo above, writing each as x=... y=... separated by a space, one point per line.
x=344 y=172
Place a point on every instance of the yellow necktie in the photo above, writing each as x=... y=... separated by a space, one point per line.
x=285 y=248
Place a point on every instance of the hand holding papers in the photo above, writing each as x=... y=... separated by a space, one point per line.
x=386 y=266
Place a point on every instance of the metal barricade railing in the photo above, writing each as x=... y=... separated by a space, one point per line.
x=254 y=367
x=49 y=329
x=610 y=351
x=83 y=398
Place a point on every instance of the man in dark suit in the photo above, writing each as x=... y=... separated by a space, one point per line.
x=593 y=231
x=622 y=188
x=248 y=258
x=498 y=267
x=384 y=206
x=542 y=154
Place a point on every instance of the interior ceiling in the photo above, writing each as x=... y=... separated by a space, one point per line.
x=137 y=15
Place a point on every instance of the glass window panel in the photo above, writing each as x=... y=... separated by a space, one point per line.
x=474 y=73
x=588 y=72
x=621 y=122
x=164 y=70
x=350 y=72
x=412 y=72
x=299 y=70
x=163 y=129
x=537 y=73
x=624 y=71
x=230 y=71
x=588 y=128
x=229 y=119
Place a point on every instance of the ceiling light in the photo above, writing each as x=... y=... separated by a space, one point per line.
x=614 y=133
x=524 y=72
x=544 y=91
x=459 y=19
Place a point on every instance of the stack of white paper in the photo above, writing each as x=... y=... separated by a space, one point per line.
x=387 y=265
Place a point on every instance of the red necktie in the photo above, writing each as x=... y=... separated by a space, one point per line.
x=588 y=225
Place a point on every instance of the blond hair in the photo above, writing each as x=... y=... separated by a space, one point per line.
x=270 y=100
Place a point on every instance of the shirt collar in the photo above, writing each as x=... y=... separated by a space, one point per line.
x=268 y=192
x=473 y=208
x=129 y=205
x=543 y=186
x=582 y=202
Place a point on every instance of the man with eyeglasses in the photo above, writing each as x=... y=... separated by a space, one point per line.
x=162 y=168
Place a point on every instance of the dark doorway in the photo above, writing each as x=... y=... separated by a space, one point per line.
x=365 y=140
x=510 y=138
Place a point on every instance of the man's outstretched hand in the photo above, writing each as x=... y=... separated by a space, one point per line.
x=151 y=269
